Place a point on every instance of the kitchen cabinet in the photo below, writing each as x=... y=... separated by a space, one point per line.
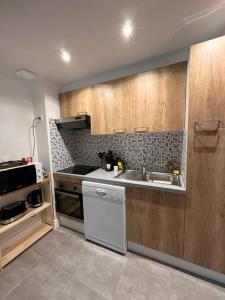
x=150 y=101
x=76 y=102
x=155 y=219
x=102 y=109
x=204 y=241
x=110 y=107
x=207 y=83
x=158 y=99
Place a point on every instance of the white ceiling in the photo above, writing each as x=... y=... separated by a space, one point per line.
x=32 y=32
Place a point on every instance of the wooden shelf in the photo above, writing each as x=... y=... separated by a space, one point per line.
x=31 y=212
x=46 y=180
x=13 y=251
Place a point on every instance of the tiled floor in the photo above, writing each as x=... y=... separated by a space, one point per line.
x=62 y=265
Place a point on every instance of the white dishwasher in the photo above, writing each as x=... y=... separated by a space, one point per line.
x=105 y=215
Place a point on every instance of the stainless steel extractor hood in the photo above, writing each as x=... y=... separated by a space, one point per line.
x=76 y=122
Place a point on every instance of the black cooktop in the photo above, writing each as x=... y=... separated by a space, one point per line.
x=79 y=170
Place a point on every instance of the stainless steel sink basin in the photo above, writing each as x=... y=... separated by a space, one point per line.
x=156 y=177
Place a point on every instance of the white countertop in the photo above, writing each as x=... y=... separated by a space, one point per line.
x=103 y=176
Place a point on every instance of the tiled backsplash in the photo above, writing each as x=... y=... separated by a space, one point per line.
x=154 y=150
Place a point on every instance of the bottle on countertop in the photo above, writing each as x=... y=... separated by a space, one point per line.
x=120 y=164
x=110 y=162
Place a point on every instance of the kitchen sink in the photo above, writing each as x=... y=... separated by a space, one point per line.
x=156 y=177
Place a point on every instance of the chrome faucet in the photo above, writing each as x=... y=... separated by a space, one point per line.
x=143 y=170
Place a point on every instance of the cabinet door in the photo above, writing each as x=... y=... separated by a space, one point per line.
x=167 y=98
x=75 y=102
x=65 y=103
x=140 y=103
x=111 y=107
x=205 y=209
x=82 y=100
x=102 y=109
x=121 y=105
x=207 y=83
x=156 y=219
x=158 y=99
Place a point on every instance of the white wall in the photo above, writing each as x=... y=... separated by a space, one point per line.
x=46 y=104
x=16 y=116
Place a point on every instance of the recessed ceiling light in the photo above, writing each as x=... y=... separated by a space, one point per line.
x=127 y=29
x=65 y=56
x=26 y=74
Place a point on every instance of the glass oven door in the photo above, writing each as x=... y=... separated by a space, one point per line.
x=69 y=204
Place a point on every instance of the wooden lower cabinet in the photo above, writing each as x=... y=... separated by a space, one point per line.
x=205 y=206
x=155 y=219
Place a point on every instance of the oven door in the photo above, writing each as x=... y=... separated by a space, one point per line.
x=69 y=204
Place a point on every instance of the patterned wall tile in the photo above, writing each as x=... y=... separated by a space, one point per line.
x=154 y=150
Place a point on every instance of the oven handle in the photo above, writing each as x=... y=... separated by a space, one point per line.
x=67 y=194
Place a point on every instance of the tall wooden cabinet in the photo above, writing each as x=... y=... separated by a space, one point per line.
x=205 y=204
x=155 y=219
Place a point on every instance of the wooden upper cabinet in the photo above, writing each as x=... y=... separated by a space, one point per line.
x=102 y=109
x=76 y=102
x=155 y=219
x=65 y=103
x=150 y=101
x=82 y=101
x=139 y=94
x=207 y=83
x=158 y=99
x=121 y=106
x=110 y=107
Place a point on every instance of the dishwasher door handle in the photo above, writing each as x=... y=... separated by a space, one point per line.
x=101 y=192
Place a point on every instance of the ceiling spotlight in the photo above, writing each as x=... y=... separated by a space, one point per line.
x=127 y=29
x=65 y=56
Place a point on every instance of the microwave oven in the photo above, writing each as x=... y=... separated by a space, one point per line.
x=15 y=178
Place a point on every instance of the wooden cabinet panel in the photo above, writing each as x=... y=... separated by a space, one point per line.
x=140 y=102
x=65 y=103
x=205 y=212
x=207 y=82
x=76 y=102
x=110 y=107
x=102 y=109
x=167 y=98
x=121 y=105
x=156 y=219
x=158 y=99
x=205 y=208
x=151 y=101
x=82 y=101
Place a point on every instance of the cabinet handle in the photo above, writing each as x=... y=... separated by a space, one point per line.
x=82 y=113
x=140 y=129
x=205 y=125
x=119 y=130
x=201 y=141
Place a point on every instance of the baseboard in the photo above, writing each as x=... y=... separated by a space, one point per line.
x=181 y=264
x=55 y=224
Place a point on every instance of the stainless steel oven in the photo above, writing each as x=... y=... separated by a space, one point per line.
x=69 y=200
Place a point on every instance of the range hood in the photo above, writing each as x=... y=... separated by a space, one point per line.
x=76 y=122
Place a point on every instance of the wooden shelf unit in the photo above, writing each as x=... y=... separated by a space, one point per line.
x=16 y=237
x=36 y=185
x=31 y=212
x=13 y=251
